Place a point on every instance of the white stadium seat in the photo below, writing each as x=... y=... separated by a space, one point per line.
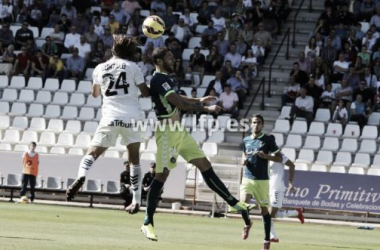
x=312 y=142
x=330 y=144
x=89 y=127
x=93 y=102
x=305 y=156
x=51 y=84
x=206 y=80
x=186 y=54
x=60 y=98
x=152 y=146
x=374 y=119
x=69 y=113
x=84 y=87
x=4 y=122
x=318 y=168
x=54 y=183
x=349 y=145
x=199 y=136
x=290 y=153
x=216 y=136
x=68 y=86
x=43 y=97
x=55 y=126
x=82 y=141
x=356 y=170
x=19 y=123
x=324 y=157
x=376 y=161
x=11 y=136
x=47 y=139
x=18 y=109
x=210 y=149
x=93 y=186
x=9 y=95
x=351 y=131
x=302 y=167
x=17 y=82
x=279 y=139
x=343 y=159
x=285 y=112
x=75 y=151
x=373 y=171
x=281 y=126
x=317 y=128
x=112 y=154
x=98 y=116
x=77 y=99
x=368 y=146
x=65 y=140
x=4 y=108
x=26 y=95
x=322 y=115
x=338 y=169
x=34 y=83
x=86 y=114
x=58 y=150
x=35 y=110
x=362 y=160
x=194 y=42
x=37 y=124
x=4 y=81
x=88 y=74
x=46 y=32
x=369 y=132
x=294 y=141
x=29 y=136
x=5 y=147
x=73 y=127
x=299 y=127
x=52 y=111
x=334 y=130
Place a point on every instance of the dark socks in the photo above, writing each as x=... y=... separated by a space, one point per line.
x=267 y=222
x=218 y=186
x=245 y=215
x=152 y=200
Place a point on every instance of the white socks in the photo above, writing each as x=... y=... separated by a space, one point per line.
x=85 y=165
x=273 y=233
x=286 y=213
x=135 y=178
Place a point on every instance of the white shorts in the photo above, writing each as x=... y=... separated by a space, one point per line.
x=276 y=198
x=107 y=132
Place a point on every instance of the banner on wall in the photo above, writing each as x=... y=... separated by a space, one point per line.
x=334 y=191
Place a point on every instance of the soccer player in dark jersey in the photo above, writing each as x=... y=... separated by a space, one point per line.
x=125 y=185
x=174 y=140
x=257 y=150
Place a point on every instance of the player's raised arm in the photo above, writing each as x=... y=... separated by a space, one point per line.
x=185 y=104
x=205 y=99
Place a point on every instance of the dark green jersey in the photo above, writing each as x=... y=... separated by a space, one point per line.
x=257 y=167
x=161 y=85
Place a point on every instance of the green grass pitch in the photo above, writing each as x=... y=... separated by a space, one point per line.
x=40 y=227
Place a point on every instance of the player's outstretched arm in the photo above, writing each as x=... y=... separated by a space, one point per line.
x=205 y=99
x=186 y=105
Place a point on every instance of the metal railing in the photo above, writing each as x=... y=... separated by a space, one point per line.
x=287 y=35
x=295 y=19
x=261 y=85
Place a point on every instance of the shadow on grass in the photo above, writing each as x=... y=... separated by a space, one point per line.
x=24 y=238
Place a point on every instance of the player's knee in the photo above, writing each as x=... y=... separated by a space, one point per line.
x=202 y=164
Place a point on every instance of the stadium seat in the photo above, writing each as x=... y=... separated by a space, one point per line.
x=58 y=150
x=334 y=130
x=64 y=56
x=52 y=111
x=285 y=111
x=324 y=158
x=39 y=43
x=4 y=122
x=281 y=126
x=89 y=127
x=373 y=171
x=84 y=87
x=93 y=102
x=73 y=127
x=35 y=31
x=47 y=139
x=4 y=108
x=356 y=170
x=195 y=41
x=112 y=154
x=112 y=187
x=43 y=97
x=46 y=32
x=69 y=113
x=17 y=82
x=26 y=95
x=376 y=161
x=187 y=90
x=60 y=98
x=18 y=109
x=148 y=157
x=343 y=159
x=210 y=149
x=86 y=114
x=75 y=151
x=145 y=13
x=5 y=146
x=362 y=160
x=290 y=153
x=11 y=136
x=215 y=136
x=197 y=82
x=338 y=169
x=34 y=83
x=200 y=28
x=77 y=99
x=374 y=119
x=206 y=80
x=323 y=115
x=301 y=167
x=14 y=180
x=299 y=127
x=186 y=54
x=88 y=75
x=55 y=126
x=4 y=81
x=21 y=148
x=20 y=123
x=35 y=110
x=368 y=146
x=152 y=146
x=294 y=141
x=330 y=144
x=93 y=186
x=349 y=145
x=82 y=141
x=146 y=104
x=37 y=124
x=200 y=91
x=98 y=116
x=199 y=136
x=9 y=95
x=317 y=129
x=365 y=27
x=305 y=156
x=68 y=86
x=312 y=142
x=369 y=132
x=43 y=149
x=351 y=131
x=65 y=140
x=51 y=84
x=54 y=183
x=279 y=139
x=318 y=168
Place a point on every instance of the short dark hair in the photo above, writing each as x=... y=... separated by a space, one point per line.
x=159 y=53
x=258 y=116
x=126 y=163
x=34 y=144
x=124 y=47
x=153 y=165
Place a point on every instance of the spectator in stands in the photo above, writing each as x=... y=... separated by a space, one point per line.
x=91 y=37
x=98 y=28
x=365 y=56
x=179 y=74
x=370 y=79
x=6 y=35
x=320 y=41
x=55 y=68
x=53 y=18
x=375 y=33
x=303 y=107
x=6 y=11
x=258 y=13
x=340 y=114
x=159 y=6
x=197 y=61
x=341 y=32
x=189 y=20
x=65 y=24
x=69 y=10
x=218 y=20
x=30 y=161
x=22 y=35
x=236 y=24
x=248 y=74
x=204 y=13
x=291 y=91
x=22 y=63
x=241 y=45
x=360 y=111
x=343 y=92
x=247 y=33
x=376 y=67
x=217 y=84
x=375 y=19
x=215 y=102
x=176 y=50
x=319 y=78
x=228 y=100
x=31 y=46
x=83 y=47
x=259 y=51
x=146 y=67
x=359 y=67
x=329 y=15
x=9 y=57
x=40 y=64
x=222 y=44
x=35 y=17
x=49 y=48
x=264 y=36
x=58 y=37
x=209 y=35
x=327 y=98
x=353 y=40
x=249 y=59
x=182 y=32
x=329 y=53
x=369 y=41
x=157 y=42
x=322 y=27
x=81 y=23
x=340 y=68
x=300 y=76
x=227 y=70
x=230 y=33
x=125 y=185
x=367 y=9
x=97 y=55
x=233 y=56
x=72 y=39
x=345 y=16
x=170 y=39
x=120 y=15
x=304 y=63
x=147 y=180
x=107 y=37
x=239 y=86
x=75 y=66
x=314 y=91
x=366 y=93
x=353 y=79
x=114 y=25
x=320 y=67
x=214 y=61
x=376 y=101
x=170 y=19
x=349 y=53
x=312 y=50
x=130 y=6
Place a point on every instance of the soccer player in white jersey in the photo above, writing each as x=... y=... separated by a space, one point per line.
x=277 y=192
x=118 y=81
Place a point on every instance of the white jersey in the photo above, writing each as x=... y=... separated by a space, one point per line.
x=118 y=80
x=276 y=177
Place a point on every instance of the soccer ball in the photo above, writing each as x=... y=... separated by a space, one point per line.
x=153 y=27
x=24 y=200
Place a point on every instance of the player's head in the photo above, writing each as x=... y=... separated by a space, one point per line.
x=124 y=47
x=32 y=146
x=163 y=59
x=126 y=165
x=257 y=123
x=152 y=168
